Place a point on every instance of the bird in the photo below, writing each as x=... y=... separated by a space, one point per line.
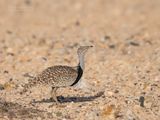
x=60 y=75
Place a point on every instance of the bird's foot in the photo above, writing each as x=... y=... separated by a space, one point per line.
x=56 y=102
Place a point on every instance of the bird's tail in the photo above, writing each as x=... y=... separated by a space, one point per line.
x=31 y=83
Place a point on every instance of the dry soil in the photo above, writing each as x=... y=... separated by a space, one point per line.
x=122 y=73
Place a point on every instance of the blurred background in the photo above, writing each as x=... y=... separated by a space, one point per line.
x=78 y=21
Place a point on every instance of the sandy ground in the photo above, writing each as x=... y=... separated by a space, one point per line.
x=122 y=73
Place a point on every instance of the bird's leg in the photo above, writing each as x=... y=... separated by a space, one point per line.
x=53 y=95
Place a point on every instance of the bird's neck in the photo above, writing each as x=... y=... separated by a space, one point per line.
x=81 y=61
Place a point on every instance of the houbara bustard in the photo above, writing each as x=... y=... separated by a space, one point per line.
x=60 y=76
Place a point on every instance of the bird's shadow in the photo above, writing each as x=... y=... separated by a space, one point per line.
x=62 y=99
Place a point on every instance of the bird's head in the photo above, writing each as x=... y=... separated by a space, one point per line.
x=82 y=50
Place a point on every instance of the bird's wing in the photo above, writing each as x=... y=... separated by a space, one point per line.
x=59 y=75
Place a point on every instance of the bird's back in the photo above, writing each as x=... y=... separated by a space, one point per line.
x=58 y=76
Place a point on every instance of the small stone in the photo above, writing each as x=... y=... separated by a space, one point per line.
x=133 y=43
x=44 y=58
x=148 y=71
x=116 y=91
x=1 y=87
x=6 y=72
x=77 y=23
x=105 y=38
x=11 y=54
x=9 y=32
x=135 y=83
x=141 y=100
x=27 y=2
x=112 y=46
x=34 y=36
x=10 y=79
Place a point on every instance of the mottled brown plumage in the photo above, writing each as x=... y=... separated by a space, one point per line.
x=60 y=76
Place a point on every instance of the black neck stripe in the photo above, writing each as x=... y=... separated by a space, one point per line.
x=80 y=73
